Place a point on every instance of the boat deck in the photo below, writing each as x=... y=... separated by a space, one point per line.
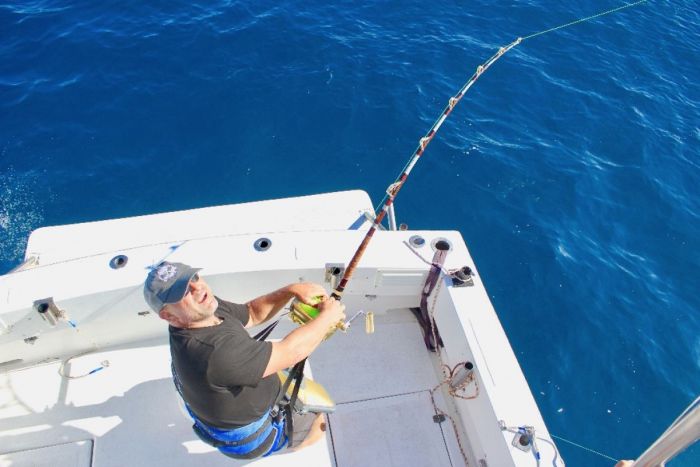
x=128 y=413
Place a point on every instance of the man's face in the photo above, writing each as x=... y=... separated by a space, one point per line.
x=198 y=305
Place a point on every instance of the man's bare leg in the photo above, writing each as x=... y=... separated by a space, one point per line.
x=316 y=432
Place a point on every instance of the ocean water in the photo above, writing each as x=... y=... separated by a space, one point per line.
x=571 y=167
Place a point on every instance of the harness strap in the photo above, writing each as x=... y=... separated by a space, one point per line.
x=283 y=419
x=205 y=434
x=262 y=335
x=297 y=384
x=296 y=374
x=231 y=449
x=202 y=429
x=261 y=450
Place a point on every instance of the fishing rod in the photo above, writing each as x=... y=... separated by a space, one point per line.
x=393 y=189
x=302 y=313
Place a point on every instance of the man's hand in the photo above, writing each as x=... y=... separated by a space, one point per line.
x=299 y=343
x=265 y=307
x=332 y=310
x=307 y=292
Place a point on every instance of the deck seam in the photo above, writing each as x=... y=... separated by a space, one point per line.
x=385 y=397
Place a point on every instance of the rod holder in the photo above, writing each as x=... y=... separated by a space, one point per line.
x=48 y=311
x=462 y=376
x=334 y=272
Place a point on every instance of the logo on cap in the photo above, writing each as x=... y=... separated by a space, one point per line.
x=166 y=272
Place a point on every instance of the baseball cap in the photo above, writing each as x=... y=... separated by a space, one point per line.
x=167 y=283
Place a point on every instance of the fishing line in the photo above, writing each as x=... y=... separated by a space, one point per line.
x=423 y=143
x=393 y=189
x=584 y=448
x=582 y=20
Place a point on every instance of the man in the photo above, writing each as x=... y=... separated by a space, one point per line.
x=227 y=379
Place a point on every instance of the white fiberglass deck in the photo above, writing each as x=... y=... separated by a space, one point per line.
x=128 y=413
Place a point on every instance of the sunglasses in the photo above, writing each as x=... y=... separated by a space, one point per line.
x=194 y=279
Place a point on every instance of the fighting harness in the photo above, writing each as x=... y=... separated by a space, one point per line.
x=270 y=433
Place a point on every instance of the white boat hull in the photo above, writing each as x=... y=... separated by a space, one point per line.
x=380 y=381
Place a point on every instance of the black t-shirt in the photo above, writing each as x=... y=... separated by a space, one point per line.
x=221 y=367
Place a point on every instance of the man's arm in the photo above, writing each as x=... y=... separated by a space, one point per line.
x=263 y=308
x=299 y=343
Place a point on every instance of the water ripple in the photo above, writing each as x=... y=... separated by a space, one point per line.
x=571 y=167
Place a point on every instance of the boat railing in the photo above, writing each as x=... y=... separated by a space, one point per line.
x=682 y=433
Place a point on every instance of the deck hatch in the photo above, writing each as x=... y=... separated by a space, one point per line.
x=76 y=454
x=388 y=431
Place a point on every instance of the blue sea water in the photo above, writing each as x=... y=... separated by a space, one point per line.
x=571 y=168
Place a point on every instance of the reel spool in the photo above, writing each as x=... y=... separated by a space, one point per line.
x=301 y=313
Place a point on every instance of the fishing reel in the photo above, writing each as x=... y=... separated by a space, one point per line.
x=302 y=313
